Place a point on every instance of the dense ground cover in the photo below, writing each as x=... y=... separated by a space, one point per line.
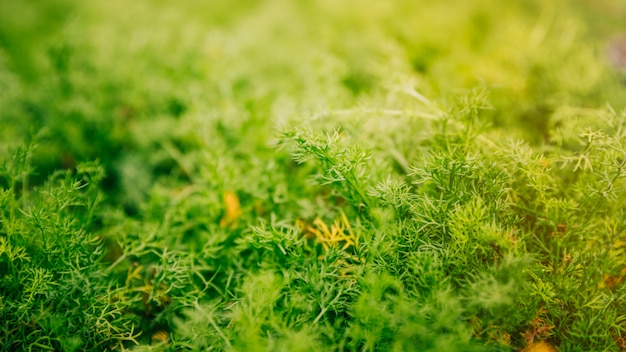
x=312 y=175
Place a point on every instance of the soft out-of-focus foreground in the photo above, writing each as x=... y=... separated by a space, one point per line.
x=313 y=175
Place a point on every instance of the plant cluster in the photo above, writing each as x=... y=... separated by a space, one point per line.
x=312 y=175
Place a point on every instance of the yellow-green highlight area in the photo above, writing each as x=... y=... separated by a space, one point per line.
x=313 y=175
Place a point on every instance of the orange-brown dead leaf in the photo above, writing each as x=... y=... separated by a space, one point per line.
x=620 y=341
x=540 y=328
x=612 y=281
x=540 y=346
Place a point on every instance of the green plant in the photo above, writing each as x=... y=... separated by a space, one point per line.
x=54 y=293
x=312 y=175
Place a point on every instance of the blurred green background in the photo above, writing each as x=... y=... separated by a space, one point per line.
x=139 y=85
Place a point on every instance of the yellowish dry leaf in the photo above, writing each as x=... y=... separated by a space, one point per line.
x=233 y=209
x=540 y=346
x=160 y=336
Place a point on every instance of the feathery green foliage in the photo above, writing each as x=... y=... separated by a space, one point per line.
x=312 y=175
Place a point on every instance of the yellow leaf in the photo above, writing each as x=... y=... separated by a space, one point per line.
x=540 y=346
x=233 y=209
x=160 y=336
